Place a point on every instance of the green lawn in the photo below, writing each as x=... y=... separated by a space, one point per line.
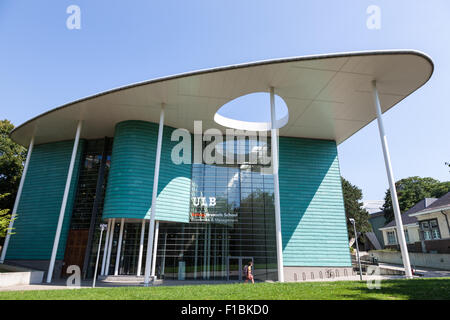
x=436 y=288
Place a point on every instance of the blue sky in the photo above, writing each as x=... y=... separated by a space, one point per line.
x=43 y=64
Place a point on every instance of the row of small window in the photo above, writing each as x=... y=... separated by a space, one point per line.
x=429 y=228
x=392 y=237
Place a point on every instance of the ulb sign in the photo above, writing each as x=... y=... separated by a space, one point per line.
x=201 y=212
x=202 y=202
x=200 y=207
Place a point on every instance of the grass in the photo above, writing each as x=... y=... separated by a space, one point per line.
x=434 y=288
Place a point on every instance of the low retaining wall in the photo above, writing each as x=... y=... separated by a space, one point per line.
x=430 y=246
x=428 y=260
x=296 y=274
x=19 y=276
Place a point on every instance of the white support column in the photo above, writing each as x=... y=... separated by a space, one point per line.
x=16 y=202
x=151 y=226
x=105 y=249
x=64 y=203
x=141 y=248
x=155 y=249
x=276 y=185
x=119 y=248
x=387 y=162
x=108 y=256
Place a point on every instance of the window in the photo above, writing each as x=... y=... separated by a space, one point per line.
x=406 y=235
x=391 y=237
x=430 y=229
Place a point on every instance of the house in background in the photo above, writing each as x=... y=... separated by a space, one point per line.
x=410 y=227
x=377 y=221
x=376 y=218
x=433 y=224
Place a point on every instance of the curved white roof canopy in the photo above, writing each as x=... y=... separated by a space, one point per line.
x=328 y=96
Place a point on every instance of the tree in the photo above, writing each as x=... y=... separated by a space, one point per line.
x=412 y=190
x=5 y=217
x=354 y=209
x=12 y=156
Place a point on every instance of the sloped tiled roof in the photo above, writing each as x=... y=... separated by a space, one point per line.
x=442 y=203
x=406 y=217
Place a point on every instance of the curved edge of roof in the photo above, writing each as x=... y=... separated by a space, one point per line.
x=241 y=66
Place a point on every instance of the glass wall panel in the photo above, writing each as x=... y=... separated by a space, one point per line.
x=232 y=222
x=85 y=201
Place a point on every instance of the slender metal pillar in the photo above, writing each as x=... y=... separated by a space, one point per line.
x=141 y=248
x=151 y=226
x=390 y=175
x=276 y=186
x=64 y=203
x=155 y=250
x=105 y=249
x=119 y=248
x=108 y=256
x=16 y=202
x=357 y=248
x=102 y=228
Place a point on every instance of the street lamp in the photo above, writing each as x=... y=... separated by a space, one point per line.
x=352 y=221
x=102 y=228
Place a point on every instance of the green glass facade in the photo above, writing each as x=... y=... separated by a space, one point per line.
x=312 y=204
x=129 y=191
x=212 y=218
x=40 y=204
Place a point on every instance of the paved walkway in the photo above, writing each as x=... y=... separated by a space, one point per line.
x=420 y=271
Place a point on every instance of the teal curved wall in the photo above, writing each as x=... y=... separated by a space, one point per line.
x=130 y=181
x=313 y=222
x=40 y=203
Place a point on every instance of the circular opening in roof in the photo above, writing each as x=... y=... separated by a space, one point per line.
x=252 y=112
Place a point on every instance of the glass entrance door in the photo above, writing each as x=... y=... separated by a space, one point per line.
x=235 y=267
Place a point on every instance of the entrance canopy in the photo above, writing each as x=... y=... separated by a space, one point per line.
x=328 y=96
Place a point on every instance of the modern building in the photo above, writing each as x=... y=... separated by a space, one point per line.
x=119 y=158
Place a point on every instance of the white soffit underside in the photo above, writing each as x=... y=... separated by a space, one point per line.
x=328 y=96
